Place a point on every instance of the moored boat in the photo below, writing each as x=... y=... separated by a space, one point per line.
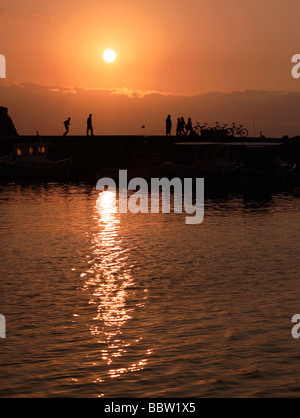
x=209 y=160
x=260 y=165
x=30 y=160
x=235 y=164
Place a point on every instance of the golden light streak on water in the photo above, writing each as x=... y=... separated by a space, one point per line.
x=110 y=279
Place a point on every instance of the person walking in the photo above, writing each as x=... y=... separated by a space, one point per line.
x=189 y=127
x=89 y=126
x=182 y=126
x=67 y=125
x=178 y=127
x=168 y=125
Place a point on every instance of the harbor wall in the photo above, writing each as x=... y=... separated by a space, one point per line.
x=92 y=155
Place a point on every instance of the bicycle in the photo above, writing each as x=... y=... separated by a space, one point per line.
x=237 y=131
x=220 y=128
x=198 y=128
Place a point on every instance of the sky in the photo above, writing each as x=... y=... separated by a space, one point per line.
x=171 y=50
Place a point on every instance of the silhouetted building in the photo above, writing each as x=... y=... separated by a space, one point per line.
x=7 y=128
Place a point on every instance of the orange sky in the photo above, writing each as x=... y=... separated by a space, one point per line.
x=164 y=45
x=170 y=46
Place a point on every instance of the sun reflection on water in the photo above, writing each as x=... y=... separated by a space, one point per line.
x=109 y=281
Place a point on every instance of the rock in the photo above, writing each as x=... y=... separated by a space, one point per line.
x=7 y=128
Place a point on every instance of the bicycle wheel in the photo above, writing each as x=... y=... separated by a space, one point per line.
x=230 y=132
x=244 y=133
x=197 y=130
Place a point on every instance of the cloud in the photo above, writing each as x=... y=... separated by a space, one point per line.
x=136 y=93
x=63 y=90
x=27 y=13
x=124 y=91
x=124 y=111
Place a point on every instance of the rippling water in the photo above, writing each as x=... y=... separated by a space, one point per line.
x=100 y=304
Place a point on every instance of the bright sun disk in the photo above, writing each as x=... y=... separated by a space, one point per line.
x=109 y=55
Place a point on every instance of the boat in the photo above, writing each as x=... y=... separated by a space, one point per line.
x=30 y=160
x=260 y=164
x=208 y=160
x=234 y=164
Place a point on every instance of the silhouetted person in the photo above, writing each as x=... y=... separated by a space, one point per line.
x=178 y=127
x=89 y=126
x=67 y=123
x=182 y=126
x=168 y=125
x=189 y=127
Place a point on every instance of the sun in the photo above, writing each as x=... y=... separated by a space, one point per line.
x=109 y=55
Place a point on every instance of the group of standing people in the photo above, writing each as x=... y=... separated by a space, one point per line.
x=182 y=128
x=89 y=128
